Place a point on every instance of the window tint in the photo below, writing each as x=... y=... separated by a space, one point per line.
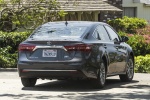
x=96 y=35
x=103 y=33
x=100 y=33
x=112 y=34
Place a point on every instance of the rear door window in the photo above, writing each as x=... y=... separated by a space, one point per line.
x=112 y=34
x=103 y=33
x=100 y=33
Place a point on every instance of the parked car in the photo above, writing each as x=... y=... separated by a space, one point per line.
x=75 y=50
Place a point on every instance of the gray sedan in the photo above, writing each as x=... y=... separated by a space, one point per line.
x=75 y=50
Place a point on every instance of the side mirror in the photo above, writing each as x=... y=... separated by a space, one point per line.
x=124 y=39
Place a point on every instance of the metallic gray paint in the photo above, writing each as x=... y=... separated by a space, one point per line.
x=115 y=54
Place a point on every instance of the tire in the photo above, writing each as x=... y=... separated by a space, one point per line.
x=101 y=78
x=28 y=82
x=129 y=71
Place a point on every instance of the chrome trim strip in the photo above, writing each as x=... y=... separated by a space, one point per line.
x=51 y=47
x=46 y=70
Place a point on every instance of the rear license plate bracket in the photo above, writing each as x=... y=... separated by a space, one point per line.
x=49 y=53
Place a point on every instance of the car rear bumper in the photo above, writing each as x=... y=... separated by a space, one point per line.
x=55 y=70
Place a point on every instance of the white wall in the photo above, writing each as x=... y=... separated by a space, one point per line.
x=143 y=11
x=143 y=1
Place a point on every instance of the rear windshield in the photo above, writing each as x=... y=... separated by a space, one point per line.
x=59 y=32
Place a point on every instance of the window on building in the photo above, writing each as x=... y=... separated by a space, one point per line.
x=130 y=11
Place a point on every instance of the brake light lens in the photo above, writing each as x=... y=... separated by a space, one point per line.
x=79 y=47
x=26 y=47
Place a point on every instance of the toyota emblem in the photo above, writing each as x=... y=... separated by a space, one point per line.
x=49 y=43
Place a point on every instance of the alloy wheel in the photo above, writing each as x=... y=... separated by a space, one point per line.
x=102 y=74
x=130 y=68
x=129 y=71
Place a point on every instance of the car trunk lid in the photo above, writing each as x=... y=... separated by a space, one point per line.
x=52 y=50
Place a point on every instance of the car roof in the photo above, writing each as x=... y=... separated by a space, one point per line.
x=76 y=23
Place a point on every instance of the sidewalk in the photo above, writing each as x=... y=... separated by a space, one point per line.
x=8 y=69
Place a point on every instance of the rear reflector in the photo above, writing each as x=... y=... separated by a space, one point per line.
x=79 y=47
x=26 y=47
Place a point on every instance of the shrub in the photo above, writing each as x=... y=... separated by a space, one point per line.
x=127 y=24
x=7 y=60
x=12 y=39
x=8 y=47
x=143 y=31
x=139 y=43
x=142 y=64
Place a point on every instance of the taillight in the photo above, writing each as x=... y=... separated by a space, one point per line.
x=79 y=47
x=26 y=47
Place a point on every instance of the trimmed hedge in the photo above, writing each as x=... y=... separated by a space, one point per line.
x=7 y=59
x=8 y=47
x=139 y=43
x=12 y=39
x=142 y=64
x=128 y=25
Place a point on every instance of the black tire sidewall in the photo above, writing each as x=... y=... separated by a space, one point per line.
x=28 y=82
x=99 y=78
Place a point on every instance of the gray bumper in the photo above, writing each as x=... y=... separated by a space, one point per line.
x=54 y=70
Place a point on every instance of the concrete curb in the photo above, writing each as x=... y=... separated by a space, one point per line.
x=8 y=69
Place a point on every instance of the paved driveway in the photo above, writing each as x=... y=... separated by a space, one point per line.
x=11 y=88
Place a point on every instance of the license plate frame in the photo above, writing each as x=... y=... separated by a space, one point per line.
x=52 y=53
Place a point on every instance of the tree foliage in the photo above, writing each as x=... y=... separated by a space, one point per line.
x=28 y=14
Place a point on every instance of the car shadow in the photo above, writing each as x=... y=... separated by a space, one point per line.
x=77 y=85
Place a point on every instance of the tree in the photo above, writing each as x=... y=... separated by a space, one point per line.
x=28 y=14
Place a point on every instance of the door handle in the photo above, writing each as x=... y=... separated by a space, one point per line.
x=117 y=47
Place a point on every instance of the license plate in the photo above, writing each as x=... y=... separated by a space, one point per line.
x=49 y=53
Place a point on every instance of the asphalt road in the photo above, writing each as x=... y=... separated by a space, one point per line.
x=12 y=89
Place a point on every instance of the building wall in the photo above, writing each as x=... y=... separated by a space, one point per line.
x=143 y=11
